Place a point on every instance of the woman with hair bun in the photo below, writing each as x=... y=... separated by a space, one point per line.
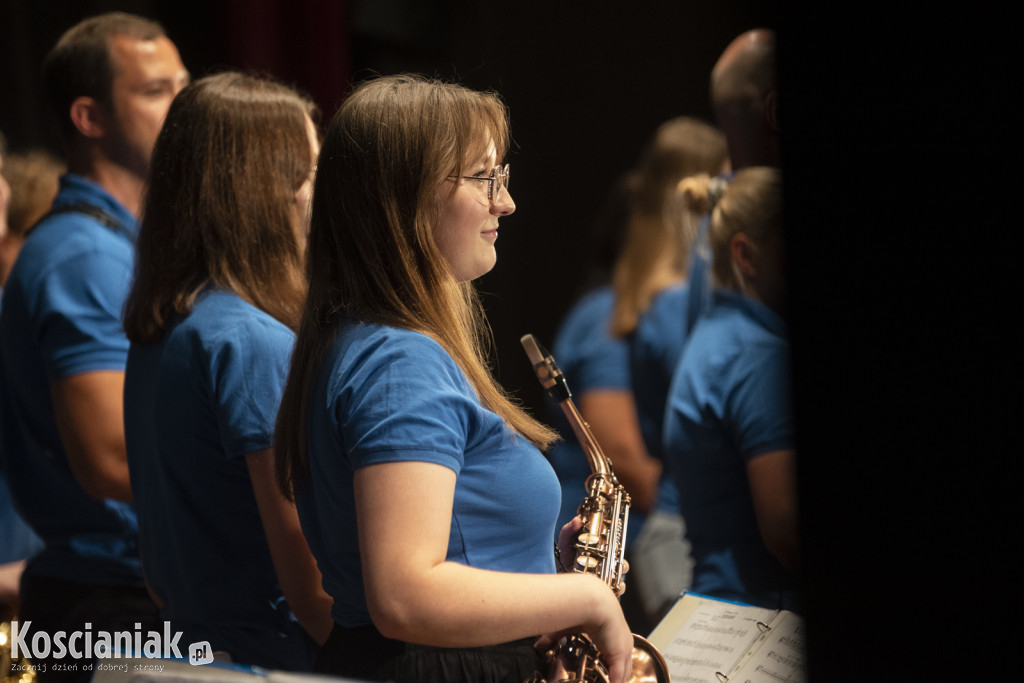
x=611 y=346
x=729 y=424
x=218 y=288
x=420 y=484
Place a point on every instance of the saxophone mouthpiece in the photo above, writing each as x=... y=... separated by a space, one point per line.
x=532 y=349
x=548 y=372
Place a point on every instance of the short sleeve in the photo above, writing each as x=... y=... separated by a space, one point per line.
x=406 y=400
x=761 y=403
x=590 y=357
x=604 y=364
x=79 y=315
x=248 y=371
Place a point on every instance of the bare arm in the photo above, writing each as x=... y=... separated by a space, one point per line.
x=413 y=593
x=772 y=479
x=612 y=417
x=89 y=409
x=293 y=562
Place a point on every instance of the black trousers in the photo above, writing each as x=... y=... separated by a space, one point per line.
x=363 y=653
x=53 y=605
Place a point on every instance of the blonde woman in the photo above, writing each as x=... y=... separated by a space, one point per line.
x=729 y=434
x=618 y=346
x=420 y=485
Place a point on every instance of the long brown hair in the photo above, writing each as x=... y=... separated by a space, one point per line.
x=659 y=233
x=372 y=254
x=220 y=208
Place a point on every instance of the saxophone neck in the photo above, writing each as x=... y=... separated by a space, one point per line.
x=553 y=382
x=599 y=463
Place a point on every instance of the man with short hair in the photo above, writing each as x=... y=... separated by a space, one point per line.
x=111 y=79
x=744 y=95
x=745 y=98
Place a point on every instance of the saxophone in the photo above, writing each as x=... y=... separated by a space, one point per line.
x=599 y=545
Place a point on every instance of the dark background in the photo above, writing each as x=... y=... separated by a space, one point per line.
x=900 y=150
x=586 y=84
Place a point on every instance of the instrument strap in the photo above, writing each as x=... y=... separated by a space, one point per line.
x=94 y=212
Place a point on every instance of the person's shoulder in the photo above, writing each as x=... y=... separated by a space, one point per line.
x=74 y=239
x=732 y=341
x=667 y=307
x=672 y=295
x=233 y=309
x=63 y=234
x=589 y=315
x=220 y=319
x=751 y=322
x=371 y=355
x=718 y=338
x=391 y=343
x=598 y=302
x=75 y=260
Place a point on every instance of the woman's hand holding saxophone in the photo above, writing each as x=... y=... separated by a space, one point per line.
x=566 y=555
x=603 y=622
x=608 y=629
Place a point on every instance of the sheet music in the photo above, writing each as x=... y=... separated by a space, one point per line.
x=779 y=657
x=711 y=640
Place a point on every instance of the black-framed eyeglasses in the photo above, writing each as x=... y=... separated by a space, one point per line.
x=496 y=180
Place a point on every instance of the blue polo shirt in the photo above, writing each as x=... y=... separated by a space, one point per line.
x=18 y=541
x=196 y=403
x=730 y=402
x=61 y=317
x=654 y=351
x=386 y=394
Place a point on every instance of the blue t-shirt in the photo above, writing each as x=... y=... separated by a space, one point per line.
x=654 y=350
x=393 y=395
x=591 y=359
x=18 y=541
x=196 y=403
x=729 y=403
x=61 y=317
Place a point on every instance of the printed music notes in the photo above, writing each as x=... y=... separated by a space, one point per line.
x=705 y=640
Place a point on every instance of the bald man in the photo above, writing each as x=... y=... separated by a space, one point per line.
x=744 y=95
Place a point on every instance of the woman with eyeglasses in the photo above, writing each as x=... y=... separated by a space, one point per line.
x=218 y=288
x=420 y=484
x=729 y=433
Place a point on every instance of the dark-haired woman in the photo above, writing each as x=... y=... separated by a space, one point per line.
x=218 y=288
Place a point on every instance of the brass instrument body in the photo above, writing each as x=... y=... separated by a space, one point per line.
x=600 y=546
x=599 y=543
x=574 y=658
